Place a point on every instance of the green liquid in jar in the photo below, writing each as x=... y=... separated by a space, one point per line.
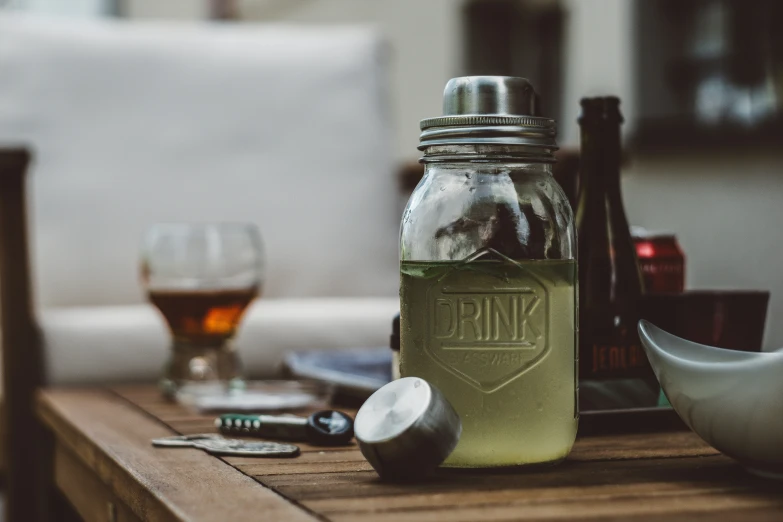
x=498 y=338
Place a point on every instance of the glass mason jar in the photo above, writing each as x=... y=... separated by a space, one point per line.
x=488 y=276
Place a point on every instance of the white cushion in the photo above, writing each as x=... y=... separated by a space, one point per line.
x=134 y=124
x=87 y=345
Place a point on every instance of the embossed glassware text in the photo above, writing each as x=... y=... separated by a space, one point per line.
x=488 y=273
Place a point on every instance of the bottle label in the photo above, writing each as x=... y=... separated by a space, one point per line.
x=601 y=360
x=485 y=332
x=617 y=358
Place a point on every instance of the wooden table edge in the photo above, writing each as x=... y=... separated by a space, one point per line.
x=60 y=411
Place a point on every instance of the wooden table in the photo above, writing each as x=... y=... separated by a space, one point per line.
x=107 y=469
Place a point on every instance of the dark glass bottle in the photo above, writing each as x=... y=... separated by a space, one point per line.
x=613 y=369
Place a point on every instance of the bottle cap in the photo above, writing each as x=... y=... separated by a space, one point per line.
x=489 y=110
x=406 y=429
x=600 y=109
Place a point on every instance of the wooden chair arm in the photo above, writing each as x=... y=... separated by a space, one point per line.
x=25 y=443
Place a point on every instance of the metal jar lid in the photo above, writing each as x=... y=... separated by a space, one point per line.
x=489 y=110
x=406 y=429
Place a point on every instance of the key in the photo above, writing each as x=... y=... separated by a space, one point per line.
x=324 y=428
x=217 y=445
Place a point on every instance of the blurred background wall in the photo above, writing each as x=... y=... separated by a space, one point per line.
x=720 y=198
x=426 y=48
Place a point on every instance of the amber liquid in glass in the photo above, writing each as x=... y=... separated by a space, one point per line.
x=203 y=316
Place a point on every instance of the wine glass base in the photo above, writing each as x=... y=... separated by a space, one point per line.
x=198 y=371
x=186 y=391
x=258 y=396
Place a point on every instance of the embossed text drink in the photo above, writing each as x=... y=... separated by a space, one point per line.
x=487 y=276
x=506 y=330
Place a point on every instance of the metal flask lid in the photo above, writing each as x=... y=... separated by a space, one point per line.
x=406 y=429
x=489 y=110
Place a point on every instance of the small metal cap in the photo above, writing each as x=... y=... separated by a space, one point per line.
x=406 y=429
x=492 y=110
x=488 y=95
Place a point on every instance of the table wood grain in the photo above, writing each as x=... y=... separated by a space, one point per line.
x=640 y=476
x=111 y=437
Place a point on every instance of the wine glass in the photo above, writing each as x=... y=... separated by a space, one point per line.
x=202 y=277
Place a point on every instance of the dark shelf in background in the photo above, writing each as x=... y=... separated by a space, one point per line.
x=685 y=134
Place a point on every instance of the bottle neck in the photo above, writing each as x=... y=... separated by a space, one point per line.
x=600 y=157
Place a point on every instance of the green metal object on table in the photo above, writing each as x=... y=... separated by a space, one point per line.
x=323 y=428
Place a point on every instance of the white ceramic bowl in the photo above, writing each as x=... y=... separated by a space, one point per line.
x=731 y=399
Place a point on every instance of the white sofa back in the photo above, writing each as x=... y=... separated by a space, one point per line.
x=134 y=124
